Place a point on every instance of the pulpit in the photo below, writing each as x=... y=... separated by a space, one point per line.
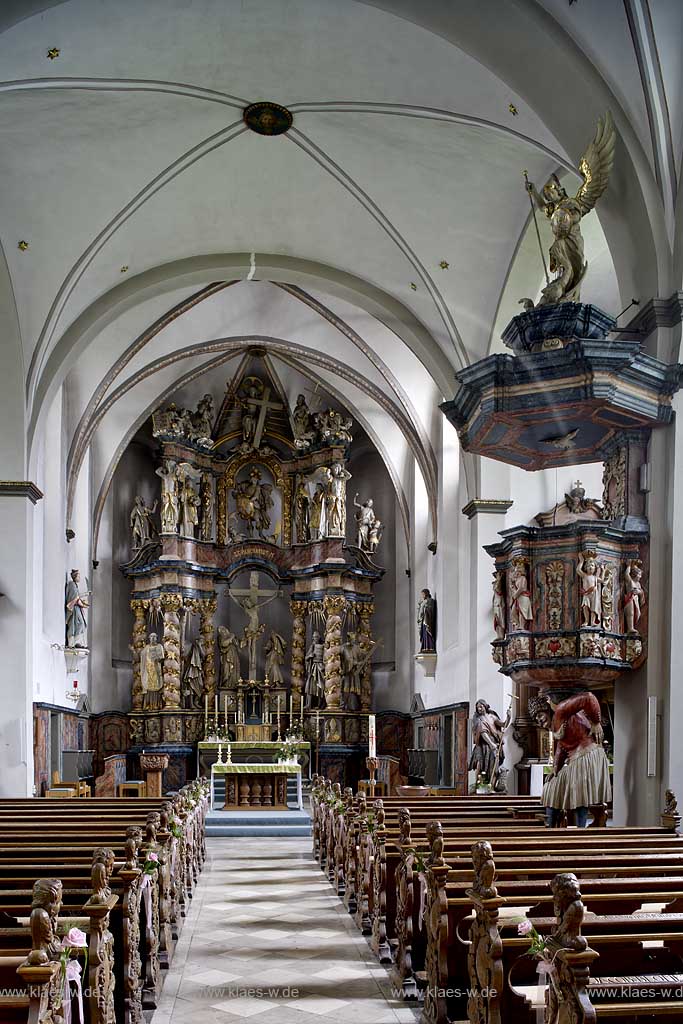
x=153 y=766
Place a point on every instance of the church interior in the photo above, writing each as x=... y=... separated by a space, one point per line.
x=340 y=370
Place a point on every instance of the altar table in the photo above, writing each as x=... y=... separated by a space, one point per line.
x=260 y=787
x=249 y=753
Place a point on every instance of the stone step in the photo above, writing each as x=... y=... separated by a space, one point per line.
x=254 y=831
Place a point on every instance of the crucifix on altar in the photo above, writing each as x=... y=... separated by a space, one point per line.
x=249 y=600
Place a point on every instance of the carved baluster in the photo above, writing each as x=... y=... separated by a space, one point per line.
x=569 y=957
x=378 y=915
x=207 y=611
x=334 y=605
x=150 y=895
x=298 y=675
x=436 y=926
x=131 y=875
x=485 y=955
x=405 y=905
x=365 y=636
x=139 y=639
x=100 y=939
x=41 y=970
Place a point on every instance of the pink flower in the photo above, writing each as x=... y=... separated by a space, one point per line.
x=152 y=856
x=525 y=928
x=75 y=937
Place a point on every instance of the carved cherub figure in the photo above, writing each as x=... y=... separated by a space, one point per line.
x=671 y=803
x=45 y=907
x=569 y=911
x=102 y=867
x=133 y=840
x=484 y=870
x=434 y=833
x=404 y=825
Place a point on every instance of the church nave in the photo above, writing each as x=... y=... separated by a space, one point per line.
x=266 y=937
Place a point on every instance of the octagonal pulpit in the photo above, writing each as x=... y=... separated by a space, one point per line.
x=153 y=767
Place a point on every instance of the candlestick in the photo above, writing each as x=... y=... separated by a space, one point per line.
x=225 y=710
x=215 y=709
x=301 y=713
x=206 y=715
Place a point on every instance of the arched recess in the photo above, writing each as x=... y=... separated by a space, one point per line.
x=300 y=358
x=197 y=271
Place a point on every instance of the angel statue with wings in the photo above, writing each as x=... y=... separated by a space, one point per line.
x=565 y=213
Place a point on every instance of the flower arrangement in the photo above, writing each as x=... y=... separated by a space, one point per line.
x=537 y=944
x=175 y=828
x=216 y=733
x=483 y=785
x=73 y=943
x=287 y=750
x=151 y=864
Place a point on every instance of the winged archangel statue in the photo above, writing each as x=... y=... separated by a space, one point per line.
x=565 y=213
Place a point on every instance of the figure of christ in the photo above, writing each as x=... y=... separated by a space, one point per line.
x=250 y=605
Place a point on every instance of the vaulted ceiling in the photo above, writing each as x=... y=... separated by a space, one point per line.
x=375 y=248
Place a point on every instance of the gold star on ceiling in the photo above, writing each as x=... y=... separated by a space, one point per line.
x=23 y=245
x=444 y=264
x=513 y=110
x=53 y=53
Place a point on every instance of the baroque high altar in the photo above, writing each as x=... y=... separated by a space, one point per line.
x=253 y=528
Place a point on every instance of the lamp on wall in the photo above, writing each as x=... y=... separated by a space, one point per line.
x=73 y=694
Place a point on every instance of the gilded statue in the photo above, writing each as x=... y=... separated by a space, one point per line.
x=565 y=213
x=141 y=522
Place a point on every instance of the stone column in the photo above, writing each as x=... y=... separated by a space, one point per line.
x=365 y=612
x=139 y=608
x=207 y=610
x=171 y=604
x=298 y=649
x=334 y=606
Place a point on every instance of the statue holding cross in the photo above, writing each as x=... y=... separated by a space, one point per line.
x=250 y=603
x=255 y=404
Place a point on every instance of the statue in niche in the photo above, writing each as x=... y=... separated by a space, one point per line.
x=591 y=576
x=634 y=595
x=369 y=527
x=141 y=522
x=335 y=492
x=275 y=655
x=333 y=428
x=151 y=657
x=254 y=501
x=426 y=622
x=75 y=604
x=314 y=688
x=193 y=680
x=189 y=499
x=206 y=528
x=170 y=506
x=301 y=422
x=354 y=660
x=499 y=604
x=250 y=604
x=318 y=516
x=488 y=731
x=228 y=653
x=565 y=213
x=521 y=612
x=302 y=513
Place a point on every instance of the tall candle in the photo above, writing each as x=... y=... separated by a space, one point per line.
x=278 y=714
x=372 y=740
x=206 y=713
x=291 y=720
x=301 y=715
x=215 y=709
x=225 y=711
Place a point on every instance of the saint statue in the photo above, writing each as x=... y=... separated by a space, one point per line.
x=203 y=418
x=426 y=622
x=189 y=499
x=375 y=535
x=301 y=422
x=302 y=513
x=333 y=428
x=75 y=605
x=275 y=656
x=366 y=519
x=487 y=738
x=193 y=690
x=141 y=523
x=314 y=688
x=336 y=499
x=499 y=604
x=565 y=213
x=354 y=660
x=254 y=501
x=318 y=517
x=521 y=612
x=252 y=390
x=580 y=777
x=151 y=656
x=206 y=528
x=228 y=653
x=591 y=589
x=169 y=496
x=634 y=596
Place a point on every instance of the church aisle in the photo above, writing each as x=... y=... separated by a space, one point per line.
x=266 y=938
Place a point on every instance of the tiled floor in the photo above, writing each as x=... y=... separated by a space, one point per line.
x=266 y=938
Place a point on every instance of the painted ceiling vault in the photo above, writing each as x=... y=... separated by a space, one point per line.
x=373 y=249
